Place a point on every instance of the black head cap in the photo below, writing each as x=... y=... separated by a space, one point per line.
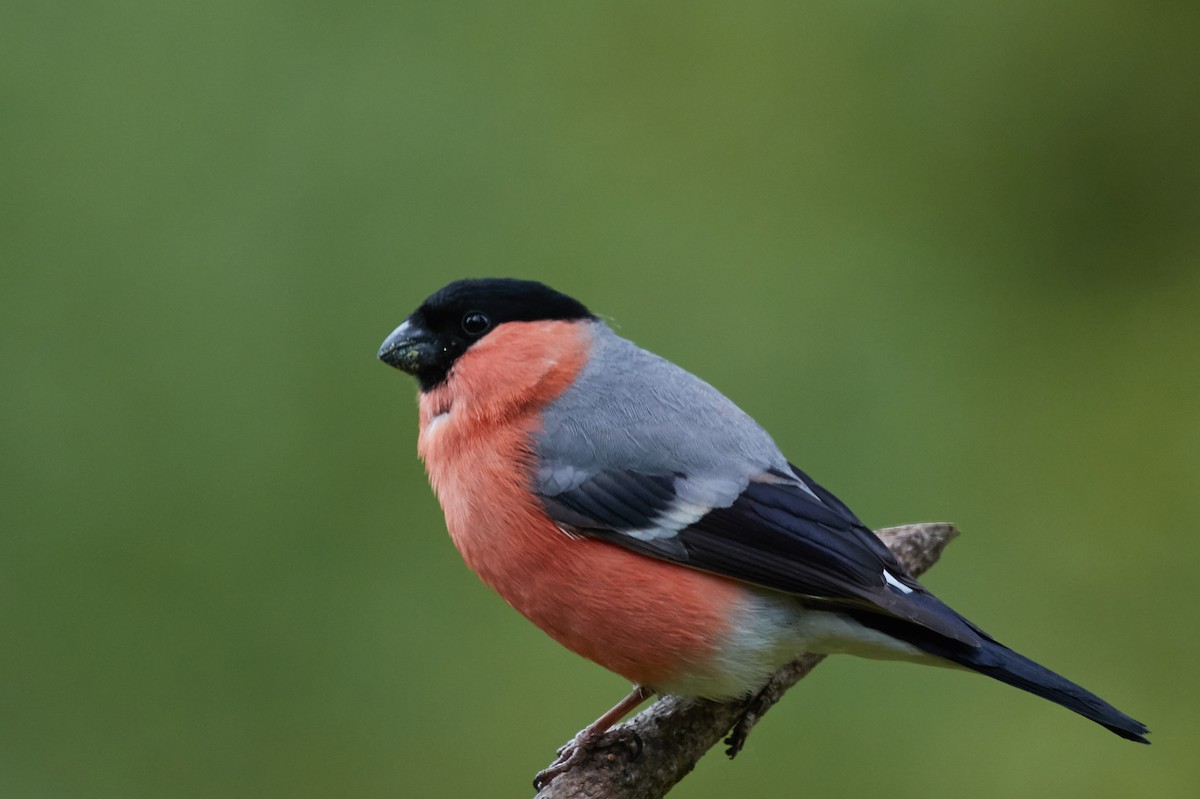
x=459 y=314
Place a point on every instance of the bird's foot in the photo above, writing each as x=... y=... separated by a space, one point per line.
x=753 y=711
x=584 y=744
x=597 y=735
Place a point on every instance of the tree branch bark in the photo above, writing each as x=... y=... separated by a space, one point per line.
x=675 y=732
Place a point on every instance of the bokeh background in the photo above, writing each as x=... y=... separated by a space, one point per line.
x=946 y=253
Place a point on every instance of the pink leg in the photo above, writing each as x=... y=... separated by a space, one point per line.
x=586 y=738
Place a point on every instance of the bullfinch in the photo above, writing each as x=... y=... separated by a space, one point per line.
x=645 y=522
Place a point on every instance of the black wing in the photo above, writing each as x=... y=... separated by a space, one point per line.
x=783 y=532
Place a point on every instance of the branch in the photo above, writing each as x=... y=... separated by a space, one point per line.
x=675 y=732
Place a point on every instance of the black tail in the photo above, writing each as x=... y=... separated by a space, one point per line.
x=998 y=661
x=1001 y=663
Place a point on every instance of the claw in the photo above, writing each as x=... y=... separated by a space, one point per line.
x=583 y=745
x=568 y=756
x=596 y=736
x=638 y=744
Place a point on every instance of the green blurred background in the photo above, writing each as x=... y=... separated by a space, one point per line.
x=946 y=253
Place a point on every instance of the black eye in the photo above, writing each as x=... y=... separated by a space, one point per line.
x=476 y=323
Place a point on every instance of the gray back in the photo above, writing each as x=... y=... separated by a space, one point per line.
x=630 y=410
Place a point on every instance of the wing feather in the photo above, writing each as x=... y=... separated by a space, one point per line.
x=787 y=534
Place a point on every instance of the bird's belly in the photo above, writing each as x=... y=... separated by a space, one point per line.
x=658 y=624
x=654 y=623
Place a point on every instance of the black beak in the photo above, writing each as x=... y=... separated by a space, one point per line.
x=410 y=348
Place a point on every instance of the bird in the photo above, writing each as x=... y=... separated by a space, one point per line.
x=644 y=521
